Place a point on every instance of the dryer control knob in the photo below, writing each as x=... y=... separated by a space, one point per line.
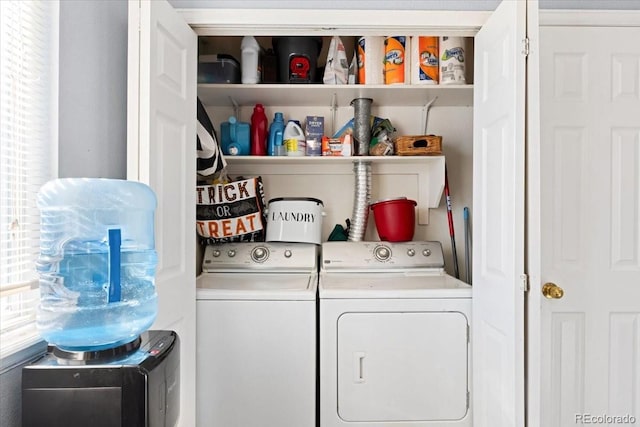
x=231 y=253
x=411 y=252
x=426 y=252
x=259 y=254
x=287 y=253
x=382 y=253
x=216 y=253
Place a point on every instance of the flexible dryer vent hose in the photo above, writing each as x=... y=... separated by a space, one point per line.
x=361 y=200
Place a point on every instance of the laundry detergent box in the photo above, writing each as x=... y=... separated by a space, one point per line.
x=314 y=131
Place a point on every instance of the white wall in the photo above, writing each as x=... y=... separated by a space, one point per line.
x=93 y=88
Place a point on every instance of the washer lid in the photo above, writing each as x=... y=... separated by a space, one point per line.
x=257 y=286
x=392 y=285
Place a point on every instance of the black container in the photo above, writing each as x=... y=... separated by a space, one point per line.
x=134 y=385
x=269 y=67
x=297 y=58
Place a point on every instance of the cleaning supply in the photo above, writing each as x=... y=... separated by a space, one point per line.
x=250 y=60
x=258 y=131
x=294 y=139
x=235 y=137
x=314 y=132
x=275 y=146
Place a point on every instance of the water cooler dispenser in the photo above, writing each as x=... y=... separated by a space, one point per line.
x=97 y=266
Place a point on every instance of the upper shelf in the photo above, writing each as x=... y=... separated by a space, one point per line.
x=333 y=95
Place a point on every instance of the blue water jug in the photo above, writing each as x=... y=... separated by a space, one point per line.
x=97 y=262
x=275 y=145
x=235 y=137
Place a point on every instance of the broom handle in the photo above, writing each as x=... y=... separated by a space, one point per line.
x=451 y=230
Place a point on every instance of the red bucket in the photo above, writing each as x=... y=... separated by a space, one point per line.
x=395 y=219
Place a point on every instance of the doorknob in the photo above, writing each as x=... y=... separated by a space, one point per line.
x=552 y=291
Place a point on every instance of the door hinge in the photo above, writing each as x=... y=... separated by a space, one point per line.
x=525 y=46
x=524 y=282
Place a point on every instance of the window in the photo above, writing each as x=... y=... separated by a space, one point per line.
x=28 y=156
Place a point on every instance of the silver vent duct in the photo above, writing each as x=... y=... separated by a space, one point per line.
x=361 y=168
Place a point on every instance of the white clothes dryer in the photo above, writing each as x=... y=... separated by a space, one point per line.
x=256 y=335
x=394 y=337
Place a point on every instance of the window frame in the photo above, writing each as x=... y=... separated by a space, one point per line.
x=20 y=350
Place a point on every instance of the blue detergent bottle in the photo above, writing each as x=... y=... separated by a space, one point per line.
x=275 y=145
x=97 y=262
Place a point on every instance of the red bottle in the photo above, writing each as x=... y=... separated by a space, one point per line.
x=259 y=131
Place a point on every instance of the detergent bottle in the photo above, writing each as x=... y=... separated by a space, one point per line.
x=275 y=145
x=294 y=139
x=258 y=131
x=250 y=60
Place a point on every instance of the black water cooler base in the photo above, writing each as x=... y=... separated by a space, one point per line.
x=135 y=386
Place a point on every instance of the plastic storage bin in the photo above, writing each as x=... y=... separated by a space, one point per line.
x=218 y=69
x=97 y=262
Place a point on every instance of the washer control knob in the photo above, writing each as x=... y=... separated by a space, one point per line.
x=259 y=254
x=382 y=253
x=411 y=252
x=231 y=253
x=216 y=253
x=426 y=252
x=287 y=253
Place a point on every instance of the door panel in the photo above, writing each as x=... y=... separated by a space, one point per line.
x=568 y=343
x=498 y=200
x=401 y=367
x=161 y=153
x=589 y=223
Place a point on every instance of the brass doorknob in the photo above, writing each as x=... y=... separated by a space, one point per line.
x=552 y=291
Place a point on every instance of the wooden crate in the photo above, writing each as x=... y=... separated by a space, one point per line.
x=418 y=145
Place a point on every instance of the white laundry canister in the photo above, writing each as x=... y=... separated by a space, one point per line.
x=295 y=219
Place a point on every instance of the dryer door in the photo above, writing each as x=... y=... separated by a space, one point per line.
x=402 y=366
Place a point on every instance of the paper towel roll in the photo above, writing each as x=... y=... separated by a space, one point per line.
x=424 y=67
x=397 y=50
x=370 y=60
x=452 y=60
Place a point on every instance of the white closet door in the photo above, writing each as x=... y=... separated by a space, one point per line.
x=161 y=153
x=498 y=201
x=589 y=206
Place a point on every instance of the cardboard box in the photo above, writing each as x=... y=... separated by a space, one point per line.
x=337 y=146
x=314 y=131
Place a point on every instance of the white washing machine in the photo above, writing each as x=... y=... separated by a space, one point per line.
x=256 y=335
x=394 y=337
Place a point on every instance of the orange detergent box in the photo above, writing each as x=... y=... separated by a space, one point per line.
x=337 y=146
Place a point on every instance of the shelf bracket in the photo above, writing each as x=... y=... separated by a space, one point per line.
x=236 y=107
x=426 y=108
x=334 y=110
